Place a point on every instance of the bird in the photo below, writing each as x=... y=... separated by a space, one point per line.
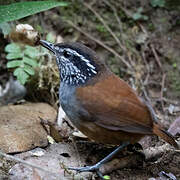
x=99 y=103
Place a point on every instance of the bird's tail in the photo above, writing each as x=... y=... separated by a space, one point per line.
x=164 y=135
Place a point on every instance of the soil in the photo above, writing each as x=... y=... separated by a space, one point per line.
x=167 y=162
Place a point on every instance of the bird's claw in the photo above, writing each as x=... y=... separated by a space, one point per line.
x=85 y=169
x=94 y=168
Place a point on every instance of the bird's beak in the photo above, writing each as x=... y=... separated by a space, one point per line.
x=47 y=45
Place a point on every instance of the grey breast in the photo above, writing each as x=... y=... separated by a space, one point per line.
x=70 y=104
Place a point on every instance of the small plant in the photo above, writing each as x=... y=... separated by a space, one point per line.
x=157 y=3
x=139 y=16
x=23 y=59
x=106 y=177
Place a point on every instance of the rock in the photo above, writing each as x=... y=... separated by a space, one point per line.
x=54 y=162
x=174 y=129
x=20 y=128
x=13 y=92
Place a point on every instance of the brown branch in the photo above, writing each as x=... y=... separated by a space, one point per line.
x=100 y=43
x=169 y=101
x=134 y=159
x=115 y=164
x=156 y=56
x=105 y=25
x=147 y=68
x=115 y=14
x=162 y=89
x=155 y=152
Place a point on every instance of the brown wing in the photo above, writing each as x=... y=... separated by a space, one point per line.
x=112 y=104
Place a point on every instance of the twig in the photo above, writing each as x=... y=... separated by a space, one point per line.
x=148 y=103
x=105 y=25
x=116 y=16
x=27 y=163
x=143 y=29
x=147 y=67
x=168 y=100
x=145 y=93
x=119 y=163
x=100 y=43
x=155 y=152
x=133 y=160
x=153 y=82
x=156 y=57
x=162 y=89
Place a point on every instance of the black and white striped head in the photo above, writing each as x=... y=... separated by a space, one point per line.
x=76 y=62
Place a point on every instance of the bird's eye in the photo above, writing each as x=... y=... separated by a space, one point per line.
x=67 y=54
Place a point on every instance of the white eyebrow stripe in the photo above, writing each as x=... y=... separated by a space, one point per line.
x=90 y=65
x=75 y=53
x=93 y=71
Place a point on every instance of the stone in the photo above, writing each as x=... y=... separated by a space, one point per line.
x=53 y=164
x=174 y=129
x=21 y=129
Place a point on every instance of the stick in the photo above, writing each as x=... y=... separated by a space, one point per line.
x=134 y=159
x=100 y=43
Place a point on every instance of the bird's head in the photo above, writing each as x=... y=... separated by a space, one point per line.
x=76 y=62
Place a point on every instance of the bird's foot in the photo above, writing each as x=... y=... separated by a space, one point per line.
x=94 y=168
x=85 y=169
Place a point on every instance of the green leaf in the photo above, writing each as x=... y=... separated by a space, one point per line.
x=14 y=55
x=21 y=75
x=29 y=70
x=13 y=48
x=30 y=61
x=156 y=3
x=137 y=16
x=6 y=28
x=18 y=71
x=140 y=9
x=31 y=51
x=13 y=64
x=106 y=177
x=19 y=10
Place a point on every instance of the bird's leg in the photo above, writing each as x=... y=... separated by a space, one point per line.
x=103 y=161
